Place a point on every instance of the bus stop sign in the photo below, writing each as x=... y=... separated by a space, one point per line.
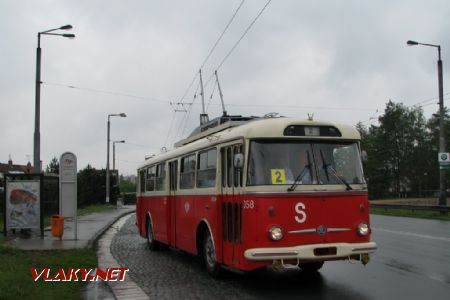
x=444 y=160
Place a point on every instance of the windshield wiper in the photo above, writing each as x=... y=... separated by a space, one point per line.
x=302 y=173
x=333 y=171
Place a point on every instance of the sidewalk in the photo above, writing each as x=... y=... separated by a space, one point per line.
x=89 y=229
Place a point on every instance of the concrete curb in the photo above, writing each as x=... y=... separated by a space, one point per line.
x=127 y=289
x=98 y=234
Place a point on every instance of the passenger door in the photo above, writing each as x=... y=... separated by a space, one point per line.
x=173 y=186
x=231 y=204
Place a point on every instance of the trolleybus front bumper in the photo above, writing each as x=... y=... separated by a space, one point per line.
x=314 y=252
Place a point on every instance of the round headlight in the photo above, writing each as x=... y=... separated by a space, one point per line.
x=363 y=229
x=276 y=233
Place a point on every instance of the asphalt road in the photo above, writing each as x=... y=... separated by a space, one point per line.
x=412 y=262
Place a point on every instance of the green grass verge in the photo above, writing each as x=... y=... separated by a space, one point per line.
x=424 y=214
x=95 y=208
x=15 y=277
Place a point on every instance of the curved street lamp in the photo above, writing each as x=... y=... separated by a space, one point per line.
x=37 y=121
x=442 y=142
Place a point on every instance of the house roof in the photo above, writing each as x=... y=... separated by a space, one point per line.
x=8 y=168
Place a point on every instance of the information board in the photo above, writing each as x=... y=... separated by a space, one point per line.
x=68 y=184
x=23 y=202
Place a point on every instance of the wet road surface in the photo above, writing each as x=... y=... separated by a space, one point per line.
x=412 y=262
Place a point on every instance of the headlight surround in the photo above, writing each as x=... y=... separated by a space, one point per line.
x=275 y=233
x=363 y=229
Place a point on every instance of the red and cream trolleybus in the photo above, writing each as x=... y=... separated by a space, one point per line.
x=244 y=193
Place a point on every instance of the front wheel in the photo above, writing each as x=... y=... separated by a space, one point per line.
x=152 y=244
x=209 y=256
x=311 y=267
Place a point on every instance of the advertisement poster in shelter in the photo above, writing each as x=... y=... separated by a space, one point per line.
x=23 y=204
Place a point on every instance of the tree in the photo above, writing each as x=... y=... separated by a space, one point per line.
x=126 y=186
x=398 y=151
x=53 y=166
x=91 y=186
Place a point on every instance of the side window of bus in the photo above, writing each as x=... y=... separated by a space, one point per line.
x=142 y=181
x=223 y=153
x=187 y=172
x=151 y=178
x=229 y=168
x=173 y=168
x=160 y=177
x=231 y=176
x=237 y=171
x=206 y=168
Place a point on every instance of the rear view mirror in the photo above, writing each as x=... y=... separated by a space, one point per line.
x=364 y=156
x=238 y=160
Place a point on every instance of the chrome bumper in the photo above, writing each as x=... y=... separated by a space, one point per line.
x=310 y=252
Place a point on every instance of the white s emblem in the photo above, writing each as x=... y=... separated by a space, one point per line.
x=300 y=209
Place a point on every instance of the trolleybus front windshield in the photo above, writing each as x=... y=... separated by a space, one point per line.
x=282 y=162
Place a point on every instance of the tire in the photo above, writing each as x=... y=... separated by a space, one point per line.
x=311 y=267
x=153 y=245
x=209 y=256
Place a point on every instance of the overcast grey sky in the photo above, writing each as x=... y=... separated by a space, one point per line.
x=341 y=60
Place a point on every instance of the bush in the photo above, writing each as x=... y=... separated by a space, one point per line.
x=129 y=198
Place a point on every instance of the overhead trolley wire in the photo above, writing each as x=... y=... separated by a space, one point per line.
x=239 y=40
x=205 y=60
x=222 y=34
x=235 y=44
x=243 y=35
x=212 y=49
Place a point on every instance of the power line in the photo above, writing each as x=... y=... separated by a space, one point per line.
x=128 y=161
x=180 y=102
x=170 y=128
x=106 y=92
x=428 y=100
x=243 y=35
x=221 y=35
x=235 y=44
x=300 y=106
x=212 y=50
x=133 y=144
x=423 y=104
x=238 y=41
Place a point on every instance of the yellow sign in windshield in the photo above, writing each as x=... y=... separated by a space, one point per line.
x=278 y=176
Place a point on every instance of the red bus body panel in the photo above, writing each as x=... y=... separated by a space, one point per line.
x=175 y=220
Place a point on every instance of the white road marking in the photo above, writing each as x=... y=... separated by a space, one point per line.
x=423 y=236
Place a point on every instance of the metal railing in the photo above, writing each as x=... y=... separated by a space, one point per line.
x=438 y=208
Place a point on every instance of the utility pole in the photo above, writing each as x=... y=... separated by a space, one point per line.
x=442 y=142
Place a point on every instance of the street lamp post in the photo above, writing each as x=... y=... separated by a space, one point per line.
x=442 y=183
x=37 y=121
x=107 y=153
x=114 y=152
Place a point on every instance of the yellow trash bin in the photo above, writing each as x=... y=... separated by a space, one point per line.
x=57 y=226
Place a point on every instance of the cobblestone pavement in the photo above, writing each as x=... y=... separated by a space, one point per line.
x=392 y=273
x=173 y=274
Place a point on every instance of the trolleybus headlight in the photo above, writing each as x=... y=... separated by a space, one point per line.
x=363 y=229
x=276 y=233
